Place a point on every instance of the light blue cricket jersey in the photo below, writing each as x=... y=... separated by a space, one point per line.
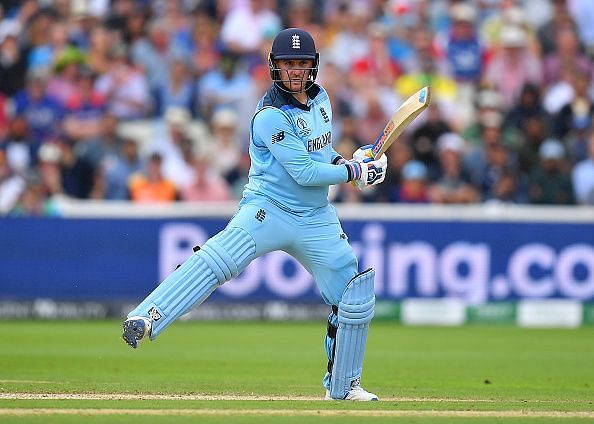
x=291 y=150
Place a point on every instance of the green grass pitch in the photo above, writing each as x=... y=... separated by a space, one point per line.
x=268 y=372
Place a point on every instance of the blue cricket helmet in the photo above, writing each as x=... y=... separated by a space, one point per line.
x=292 y=44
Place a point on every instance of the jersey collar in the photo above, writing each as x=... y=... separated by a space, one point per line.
x=312 y=92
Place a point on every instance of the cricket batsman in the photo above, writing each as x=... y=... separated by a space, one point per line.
x=285 y=207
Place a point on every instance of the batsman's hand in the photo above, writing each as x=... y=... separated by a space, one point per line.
x=368 y=172
x=363 y=152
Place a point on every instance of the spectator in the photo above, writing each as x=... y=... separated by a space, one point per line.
x=465 y=57
x=496 y=179
x=566 y=53
x=42 y=112
x=121 y=11
x=560 y=20
x=225 y=152
x=513 y=66
x=18 y=146
x=549 y=183
x=534 y=132
x=205 y=52
x=424 y=139
x=463 y=50
x=100 y=42
x=85 y=109
x=378 y=63
x=77 y=172
x=11 y=186
x=44 y=56
x=177 y=90
x=582 y=176
x=300 y=14
x=227 y=86
x=256 y=15
x=582 y=12
x=207 y=185
x=558 y=94
x=507 y=187
x=428 y=70
x=372 y=117
x=13 y=59
x=63 y=83
x=414 y=188
x=453 y=182
x=352 y=37
x=175 y=147
x=116 y=169
x=527 y=109
x=479 y=157
x=125 y=88
x=176 y=17
x=49 y=157
x=135 y=27
x=488 y=106
x=399 y=155
x=151 y=186
x=578 y=113
x=154 y=54
x=493 y=29
x=34 y=200
x=39 y=27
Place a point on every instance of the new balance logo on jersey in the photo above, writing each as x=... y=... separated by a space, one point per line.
x=260 y=215
x=324 y=115
x=154 y=314
x=296 y=41
x=280 y=136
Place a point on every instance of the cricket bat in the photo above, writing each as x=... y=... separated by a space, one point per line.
x=405 y=114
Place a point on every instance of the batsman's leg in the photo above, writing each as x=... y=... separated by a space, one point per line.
x=355 y=311
x=257 y=228
x=221 y=258
x=323 y=249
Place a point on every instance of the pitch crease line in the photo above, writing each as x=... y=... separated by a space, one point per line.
x=230 y=397
x=294 y=412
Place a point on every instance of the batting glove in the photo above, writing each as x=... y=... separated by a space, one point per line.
x=368 y=171
x=363 y=152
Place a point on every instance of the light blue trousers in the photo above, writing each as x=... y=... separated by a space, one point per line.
x=315 y=239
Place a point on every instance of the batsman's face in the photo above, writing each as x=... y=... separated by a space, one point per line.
x=295 y=73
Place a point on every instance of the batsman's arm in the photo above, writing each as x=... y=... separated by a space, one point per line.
x=272 y=130
x=337 y=159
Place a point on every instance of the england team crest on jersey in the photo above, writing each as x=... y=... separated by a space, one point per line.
x=304 y=129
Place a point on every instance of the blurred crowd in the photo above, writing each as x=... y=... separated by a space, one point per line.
x=151 y=100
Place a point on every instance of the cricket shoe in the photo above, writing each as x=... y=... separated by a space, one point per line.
x=357 y=393
x=136 y=329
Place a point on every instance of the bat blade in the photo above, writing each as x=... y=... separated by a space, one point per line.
x=405 y=114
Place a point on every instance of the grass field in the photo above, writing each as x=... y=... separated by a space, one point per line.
x=60 y=372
